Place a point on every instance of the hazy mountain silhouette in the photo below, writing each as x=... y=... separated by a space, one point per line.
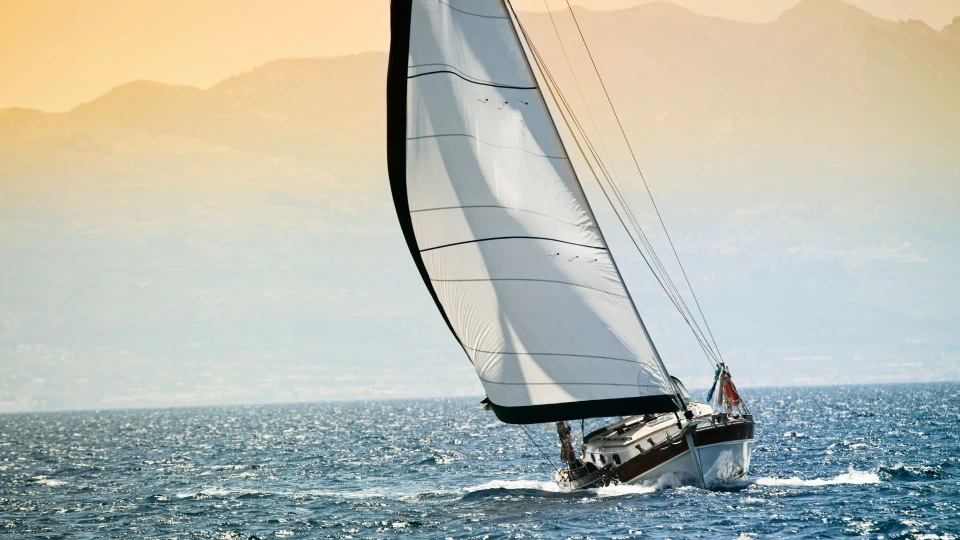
x=825 y=80
x=325 y=111
x=230 y=236
x=952 y=30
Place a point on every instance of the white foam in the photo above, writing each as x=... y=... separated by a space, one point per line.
x=356 y=494
x=210 y=492
x=850 y=477
x=44 y=481
x=516 y=484
x=619 y=490
x=666 y=481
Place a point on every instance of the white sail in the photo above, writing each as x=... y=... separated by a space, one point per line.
x=500 y=228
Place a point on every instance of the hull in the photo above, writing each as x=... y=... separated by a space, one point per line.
x=705 y=451
x=720 y=463
x=727 y=461
x=720 y=453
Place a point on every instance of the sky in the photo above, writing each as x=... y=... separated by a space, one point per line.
x=55 y=54
x=234 y=240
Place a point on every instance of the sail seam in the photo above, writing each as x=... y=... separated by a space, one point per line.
x=511 y=238
x=531 y=279
x=484 y=142
x=555 y=354
x=482 y=83
x=474 y=14
x=451 y=66
x=556 y=383
x=504 y=208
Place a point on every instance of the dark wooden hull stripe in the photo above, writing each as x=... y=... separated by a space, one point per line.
x=723 y=433
x=701 y=437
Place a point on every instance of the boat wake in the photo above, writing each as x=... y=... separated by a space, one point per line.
x=620 y=490
x=850 y=477
x=671 y=481
x=616 y=490
x=662 y=483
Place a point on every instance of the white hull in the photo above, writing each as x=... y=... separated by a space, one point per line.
x=725 y=461
x=705 y=450
x=721 y=462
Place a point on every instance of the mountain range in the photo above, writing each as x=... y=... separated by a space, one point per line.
x=175 y=245
x=824 y=81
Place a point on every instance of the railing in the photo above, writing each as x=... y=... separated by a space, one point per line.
x=586 y=479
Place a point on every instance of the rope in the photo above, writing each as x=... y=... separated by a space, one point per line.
x=564 y=110
x=546 y=459
x=670 y=289
x=640 y=172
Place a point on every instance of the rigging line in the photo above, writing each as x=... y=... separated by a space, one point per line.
x=562 y=103
x=545 y=458
x=613 y=184
x=549 y=426
x=583 y=99
x=630 y=147
x=678 y=300
x=668 y=285
x=677 y=399
x=549 y=78
x=700 y=340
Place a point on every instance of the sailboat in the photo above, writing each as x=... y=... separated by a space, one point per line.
x=504 y=237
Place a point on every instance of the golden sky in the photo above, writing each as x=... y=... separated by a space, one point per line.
x=55 y=54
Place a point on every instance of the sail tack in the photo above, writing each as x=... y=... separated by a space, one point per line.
x=500 y=228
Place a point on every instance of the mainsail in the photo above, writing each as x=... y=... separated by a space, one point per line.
x=499 y=226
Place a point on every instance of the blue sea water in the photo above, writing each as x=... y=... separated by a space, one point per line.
x=876 y=461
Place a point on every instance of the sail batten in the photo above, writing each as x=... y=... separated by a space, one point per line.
x=499 y=226
x=471 y=80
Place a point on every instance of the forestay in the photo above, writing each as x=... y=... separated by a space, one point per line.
x=500 y=228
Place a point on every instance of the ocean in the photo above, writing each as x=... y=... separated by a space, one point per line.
x=873 y=461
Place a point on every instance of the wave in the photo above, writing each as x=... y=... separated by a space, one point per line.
x=914 y=473
x=620 y=490
x=44 y=481
x=534 y=485
x=614 y=490
x=206 y=492
x=437 y=460
x=850 y=477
